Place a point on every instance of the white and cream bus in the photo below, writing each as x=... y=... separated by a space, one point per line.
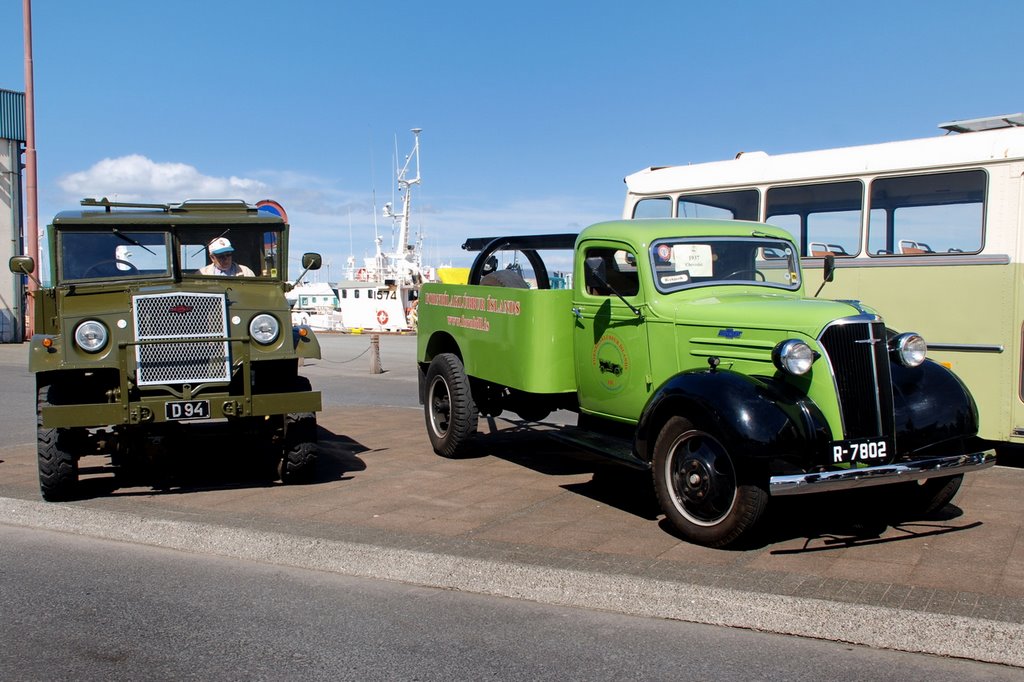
x=930 y=232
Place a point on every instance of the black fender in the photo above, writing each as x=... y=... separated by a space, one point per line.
x=755 y=417
x=931 y=406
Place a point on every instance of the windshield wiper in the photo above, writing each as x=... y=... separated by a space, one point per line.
x=131 y=240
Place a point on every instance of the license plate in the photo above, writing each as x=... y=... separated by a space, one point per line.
x=862 y=450
x=179 y=410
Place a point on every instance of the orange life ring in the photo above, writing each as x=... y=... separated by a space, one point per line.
x=382 y=317
x=361 y=274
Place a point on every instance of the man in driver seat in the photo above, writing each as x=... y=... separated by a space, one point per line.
x=222 y=261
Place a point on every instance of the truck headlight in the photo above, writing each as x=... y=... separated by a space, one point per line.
x=910 y=349
x=91 y=336
x=794 y=357
x=264 y=329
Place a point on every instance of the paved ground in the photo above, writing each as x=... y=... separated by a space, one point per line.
x=528 y=518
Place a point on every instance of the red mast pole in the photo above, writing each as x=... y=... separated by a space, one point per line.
x=31 y=221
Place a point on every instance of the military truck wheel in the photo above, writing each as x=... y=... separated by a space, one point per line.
x=58 y=465
x=301 y=450
x=300 y=442
x=449 y=409
x=699 y=488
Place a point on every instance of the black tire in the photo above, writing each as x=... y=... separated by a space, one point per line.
x=58 y=464
x=450 y=412
x=300 y=442
x=699 y=488
x=923 y=498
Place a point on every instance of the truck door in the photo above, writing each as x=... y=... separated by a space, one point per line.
x=611 y=350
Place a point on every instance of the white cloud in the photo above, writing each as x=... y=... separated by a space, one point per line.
x=337 y=222
x=137 y=178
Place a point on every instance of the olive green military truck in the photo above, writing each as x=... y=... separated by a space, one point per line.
x=136 y=349
x=690 y=348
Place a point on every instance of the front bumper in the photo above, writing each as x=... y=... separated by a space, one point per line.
x=151 y=410
x=897 y=472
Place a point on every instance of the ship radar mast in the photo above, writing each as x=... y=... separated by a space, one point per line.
x=405 y=185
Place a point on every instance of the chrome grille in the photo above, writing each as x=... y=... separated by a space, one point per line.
x=191 y=321
x=858 y=354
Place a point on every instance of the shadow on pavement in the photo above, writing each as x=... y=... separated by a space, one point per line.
x=824 y=521
x=199 y=465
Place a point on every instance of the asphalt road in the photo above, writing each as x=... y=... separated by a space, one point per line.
x=82 y=608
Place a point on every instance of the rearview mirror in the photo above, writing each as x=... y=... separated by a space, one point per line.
x=595 y=273
x=311 y=261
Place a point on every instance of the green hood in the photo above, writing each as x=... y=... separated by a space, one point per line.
x=747 y=310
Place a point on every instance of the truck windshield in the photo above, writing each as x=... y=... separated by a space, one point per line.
x=112 y=253
x=684 y=263
x=254 y=253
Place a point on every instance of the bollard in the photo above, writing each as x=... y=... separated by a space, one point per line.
x=375 y=355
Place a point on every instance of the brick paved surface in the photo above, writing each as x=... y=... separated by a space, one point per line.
x=529 y=500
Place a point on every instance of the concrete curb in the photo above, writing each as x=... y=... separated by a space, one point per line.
x=912 y=631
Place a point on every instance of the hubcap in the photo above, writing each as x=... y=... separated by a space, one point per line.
x=702 y=478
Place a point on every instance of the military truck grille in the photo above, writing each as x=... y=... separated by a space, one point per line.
x=858 y=353
x=188 y=322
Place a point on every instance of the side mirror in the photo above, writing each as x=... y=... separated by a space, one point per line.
x=22 y=265
x=311 y=261
x=595 y=273
x=830 y=267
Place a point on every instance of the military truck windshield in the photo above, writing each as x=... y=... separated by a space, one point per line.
x=112 y=254
x=686 y=263
x=254 y=253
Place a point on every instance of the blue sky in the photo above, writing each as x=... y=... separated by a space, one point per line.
x=532 y=112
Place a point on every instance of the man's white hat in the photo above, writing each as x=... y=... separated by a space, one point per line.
x=221 y=245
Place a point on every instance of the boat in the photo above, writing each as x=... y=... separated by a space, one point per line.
x=315 y=305
x=381 y=293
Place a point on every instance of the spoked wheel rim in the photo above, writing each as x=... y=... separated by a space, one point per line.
x=702 y=479
x=440 y=400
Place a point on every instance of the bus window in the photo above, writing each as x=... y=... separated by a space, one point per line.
x=922 y=214
x=655 y=207
x=822 y=215
x=738 y=205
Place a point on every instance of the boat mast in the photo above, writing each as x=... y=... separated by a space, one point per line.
x=405 y=185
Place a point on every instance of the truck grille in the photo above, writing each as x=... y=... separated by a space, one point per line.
x=858 y=353
x=189 y=322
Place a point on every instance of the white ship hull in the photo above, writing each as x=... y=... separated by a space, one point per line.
x=376 y=307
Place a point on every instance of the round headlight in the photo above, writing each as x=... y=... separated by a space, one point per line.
x=91 y=336
x=264 y=328
x=793 y=356
x=910 y=348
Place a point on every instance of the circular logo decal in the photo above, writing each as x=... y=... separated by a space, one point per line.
x=611 y=362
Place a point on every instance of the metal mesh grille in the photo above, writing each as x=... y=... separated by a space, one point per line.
x=192 y=319
x=859 y=357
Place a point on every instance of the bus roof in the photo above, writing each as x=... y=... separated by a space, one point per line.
x=1002 y=144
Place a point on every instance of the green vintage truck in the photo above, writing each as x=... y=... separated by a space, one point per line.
x=690 y=348
x=139 y=343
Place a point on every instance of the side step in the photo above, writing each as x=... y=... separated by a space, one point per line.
x=600 y=444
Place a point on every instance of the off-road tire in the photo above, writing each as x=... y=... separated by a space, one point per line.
x=700 y=489
x=58 y=465
x=449 y=409
x=300 y=442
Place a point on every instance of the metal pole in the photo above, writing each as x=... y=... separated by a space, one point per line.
x=31 y=221
x=375 y=355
